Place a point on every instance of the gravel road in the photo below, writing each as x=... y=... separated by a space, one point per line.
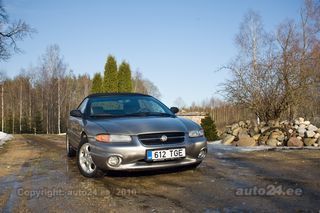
x=36 y=176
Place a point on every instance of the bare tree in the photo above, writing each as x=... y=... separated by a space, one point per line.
x=251 y=38
x=254 y=83
x=138 y=85
x=10 y=34
x=145 y=86
x=151 y=88
x=275 y=74
x=53 y=68
x=180 y=103
x=31 y=99
x=297 y=60
x=2 y=79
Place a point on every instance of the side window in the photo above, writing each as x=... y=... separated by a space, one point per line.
x=83 y=105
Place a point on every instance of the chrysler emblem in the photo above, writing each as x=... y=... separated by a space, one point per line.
x=164 y=138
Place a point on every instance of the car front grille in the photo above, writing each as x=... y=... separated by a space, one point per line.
x=155 y=138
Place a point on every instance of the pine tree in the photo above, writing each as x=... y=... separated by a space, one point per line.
x=128 y=78
x=209 y=127
x=124 y=78
x=110 y=81
x=97 y=83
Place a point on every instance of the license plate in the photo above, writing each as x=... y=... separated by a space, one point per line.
x=166 y=154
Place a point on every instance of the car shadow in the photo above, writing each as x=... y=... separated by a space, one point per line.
x=148 y=173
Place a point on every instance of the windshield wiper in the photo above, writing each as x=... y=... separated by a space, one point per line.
x=149 y=114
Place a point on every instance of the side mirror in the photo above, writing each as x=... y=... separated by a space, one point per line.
x=174 y=110
x=75 y=113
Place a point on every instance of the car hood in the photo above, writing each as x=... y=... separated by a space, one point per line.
x=140 y=125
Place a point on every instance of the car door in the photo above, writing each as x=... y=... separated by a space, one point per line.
x=76 y=125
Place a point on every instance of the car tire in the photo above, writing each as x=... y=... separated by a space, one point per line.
x=84 y=161
x=69 y=149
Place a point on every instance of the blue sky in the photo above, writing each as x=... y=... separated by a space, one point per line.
x=177 y=44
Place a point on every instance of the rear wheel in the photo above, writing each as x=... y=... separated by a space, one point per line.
x=70 y=151
x=85 y=163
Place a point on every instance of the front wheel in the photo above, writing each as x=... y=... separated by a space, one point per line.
x=85 y=163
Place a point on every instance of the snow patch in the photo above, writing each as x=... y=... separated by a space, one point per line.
x=219 y=148
x=4 y=137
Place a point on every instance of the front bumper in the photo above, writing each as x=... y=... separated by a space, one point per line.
x=133 y=154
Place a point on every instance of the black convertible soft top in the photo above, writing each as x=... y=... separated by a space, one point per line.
x=116 y=94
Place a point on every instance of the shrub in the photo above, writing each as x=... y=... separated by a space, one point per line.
x=209 y=127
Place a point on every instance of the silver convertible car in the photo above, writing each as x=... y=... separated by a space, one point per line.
x=131 y=132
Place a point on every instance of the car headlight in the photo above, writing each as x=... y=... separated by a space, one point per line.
x=196 y=133
x=106 y=138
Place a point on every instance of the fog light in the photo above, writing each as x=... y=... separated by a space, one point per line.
x=114 y=161
x=202 y=153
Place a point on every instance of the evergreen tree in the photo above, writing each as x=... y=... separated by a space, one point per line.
x=16 y=126
x=128 y=78
x=24 y=124
x=110 y=81
x=8 y=125
x=209 y=127
x=97 y=83
x=37 y=123
x=124 y=78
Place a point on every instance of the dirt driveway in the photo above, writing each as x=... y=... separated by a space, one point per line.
x=36 y=176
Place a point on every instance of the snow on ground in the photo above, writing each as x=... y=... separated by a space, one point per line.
x=218 y=147
x=4 y=137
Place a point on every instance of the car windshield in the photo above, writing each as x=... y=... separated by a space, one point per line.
x=114 y=106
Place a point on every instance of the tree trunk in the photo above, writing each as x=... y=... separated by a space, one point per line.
x=20 y=108
x=47 y=118
x=2 y=110
x=59 y=107
x=13 y=121
x=30 y=109
x=42 y=106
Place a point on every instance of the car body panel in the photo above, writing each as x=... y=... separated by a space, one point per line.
x=138 y=125
x=134 y=155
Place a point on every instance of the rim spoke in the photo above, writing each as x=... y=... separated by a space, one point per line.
x=85 y=159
